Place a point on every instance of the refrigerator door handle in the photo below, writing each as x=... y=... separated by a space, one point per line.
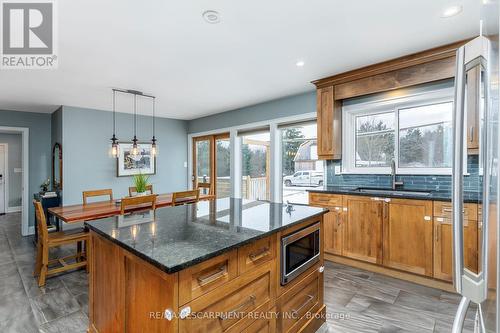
x=458 y=323
x=457 y=192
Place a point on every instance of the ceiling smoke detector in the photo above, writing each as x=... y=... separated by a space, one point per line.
x=211 y=16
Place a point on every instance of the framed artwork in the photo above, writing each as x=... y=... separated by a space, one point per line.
x=129 y=165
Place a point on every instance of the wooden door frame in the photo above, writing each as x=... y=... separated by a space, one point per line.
x=212 y=151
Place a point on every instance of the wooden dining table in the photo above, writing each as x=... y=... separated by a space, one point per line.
x=101 y=209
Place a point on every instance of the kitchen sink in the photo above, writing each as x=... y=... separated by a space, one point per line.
x=382 y=192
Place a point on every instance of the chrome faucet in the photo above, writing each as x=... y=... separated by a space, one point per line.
x=393 y=175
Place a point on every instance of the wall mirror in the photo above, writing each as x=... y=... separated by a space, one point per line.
x=57 y=165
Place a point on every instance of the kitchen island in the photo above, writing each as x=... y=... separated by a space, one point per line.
x=227 y=265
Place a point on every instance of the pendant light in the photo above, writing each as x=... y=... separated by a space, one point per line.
x=135 y=148
x=115 y=148
x=154 y=148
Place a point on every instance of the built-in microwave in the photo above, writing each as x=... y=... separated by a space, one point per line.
x=299 y=251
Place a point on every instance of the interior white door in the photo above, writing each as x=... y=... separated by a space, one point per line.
x=2 y=179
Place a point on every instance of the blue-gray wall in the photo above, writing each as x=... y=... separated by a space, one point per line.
x=39 y=146
x=15 y=160
x=279 y=108
x=86 y=161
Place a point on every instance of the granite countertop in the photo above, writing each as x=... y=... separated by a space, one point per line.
x=179 y=237
x=469 y=197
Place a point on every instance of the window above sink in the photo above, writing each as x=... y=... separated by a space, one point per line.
x=412 y=128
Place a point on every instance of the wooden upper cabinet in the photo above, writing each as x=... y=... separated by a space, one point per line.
x=363 y=229
x=408 y=235
x=410 y=70
x=329 y=125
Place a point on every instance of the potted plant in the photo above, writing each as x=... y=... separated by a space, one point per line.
x=44 y=187
x=141 y=183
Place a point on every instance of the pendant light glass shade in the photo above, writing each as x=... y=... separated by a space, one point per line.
x=114 y=150
x=135 y=147
x=154 y=147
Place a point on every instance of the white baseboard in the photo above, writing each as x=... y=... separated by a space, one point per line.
x=14 y=209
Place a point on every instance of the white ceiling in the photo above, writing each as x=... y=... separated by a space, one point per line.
x=194 y=68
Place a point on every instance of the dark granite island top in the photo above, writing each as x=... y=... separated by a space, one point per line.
x=182 y=236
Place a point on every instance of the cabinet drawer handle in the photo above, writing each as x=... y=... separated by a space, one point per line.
x=295 y=313
x=427 y=218
x=259 y=255
x=233 y=313
x=449 y=210
x=203 y=280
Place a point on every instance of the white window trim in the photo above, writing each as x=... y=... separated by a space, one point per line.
x=388 y=105
x=276 y=178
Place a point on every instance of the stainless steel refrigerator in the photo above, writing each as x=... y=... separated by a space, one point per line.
x=476 y=144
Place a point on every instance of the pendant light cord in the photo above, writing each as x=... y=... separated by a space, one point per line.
x=154 y=104
x=114 y=109
x=135 y=115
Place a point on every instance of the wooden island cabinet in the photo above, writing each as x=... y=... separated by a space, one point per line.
x=238 y=290
x=407 y=238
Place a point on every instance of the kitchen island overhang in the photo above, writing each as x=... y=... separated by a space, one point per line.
x=213 y=266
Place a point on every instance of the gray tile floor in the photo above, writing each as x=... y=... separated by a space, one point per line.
x=60 y=306
x=357 y=301
x=360 y=301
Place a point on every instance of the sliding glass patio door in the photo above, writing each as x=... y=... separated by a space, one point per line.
x=211 y=165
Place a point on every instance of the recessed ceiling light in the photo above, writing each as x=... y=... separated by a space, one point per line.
x=300 y=63
x=451 y=11
x=211 y=16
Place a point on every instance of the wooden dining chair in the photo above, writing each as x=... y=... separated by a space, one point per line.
x=185 y=197
x=97 y=193
x=208 y=187
x=133 y=190
x=144 y=202
x=54 y=239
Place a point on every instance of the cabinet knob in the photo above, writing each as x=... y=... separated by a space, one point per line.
x=427 y=218
x=321 y=269
x=185 y=312
x=168 y=314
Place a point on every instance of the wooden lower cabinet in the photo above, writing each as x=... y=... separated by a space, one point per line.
x=443 y=247
x=265 y=325
x=362 y=228
x=228 y=309
x=333 y=221
x=408 y=235
x=334 y=231
x=238 y=291
x=126 y=293
x=296 y=306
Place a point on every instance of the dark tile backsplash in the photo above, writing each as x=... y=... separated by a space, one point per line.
x=411 y=182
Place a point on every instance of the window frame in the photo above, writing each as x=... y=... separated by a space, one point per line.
x=387 y=105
